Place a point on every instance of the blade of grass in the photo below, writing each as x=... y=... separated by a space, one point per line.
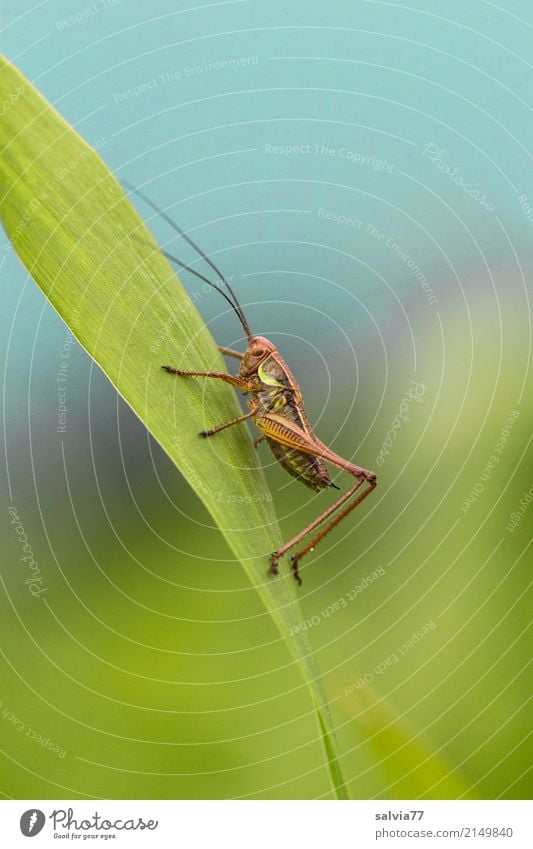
x=411 y=764
x=86 y=248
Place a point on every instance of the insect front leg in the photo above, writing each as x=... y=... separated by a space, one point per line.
x=233 y=380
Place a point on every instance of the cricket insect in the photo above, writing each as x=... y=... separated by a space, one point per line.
x=277 y=409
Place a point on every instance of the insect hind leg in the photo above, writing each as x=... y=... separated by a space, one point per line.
x=295 y=559
x=332 y=513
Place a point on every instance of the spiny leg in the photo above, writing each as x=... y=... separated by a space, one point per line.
x=295 y=559
x=291 y=435
x=277 y=555
x=217 y=375
x=258 y=441
x=223 y=426
x=227 y=378
x=318 y=521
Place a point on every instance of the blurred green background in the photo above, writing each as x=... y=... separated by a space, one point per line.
x=361 y=170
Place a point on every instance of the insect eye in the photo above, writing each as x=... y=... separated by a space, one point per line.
x=258 y=352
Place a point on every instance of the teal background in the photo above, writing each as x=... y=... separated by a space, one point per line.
x=149 y=660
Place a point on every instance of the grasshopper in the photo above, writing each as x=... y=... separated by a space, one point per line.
x=277 y=410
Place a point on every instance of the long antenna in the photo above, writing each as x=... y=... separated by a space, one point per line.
x=181 y=264
x=236 y=305
x=214 y=285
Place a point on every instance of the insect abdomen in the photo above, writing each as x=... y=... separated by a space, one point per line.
x=310 y=470
x=277 y=395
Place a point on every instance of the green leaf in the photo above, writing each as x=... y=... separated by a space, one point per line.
x=87 y=249
x=410 y=762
